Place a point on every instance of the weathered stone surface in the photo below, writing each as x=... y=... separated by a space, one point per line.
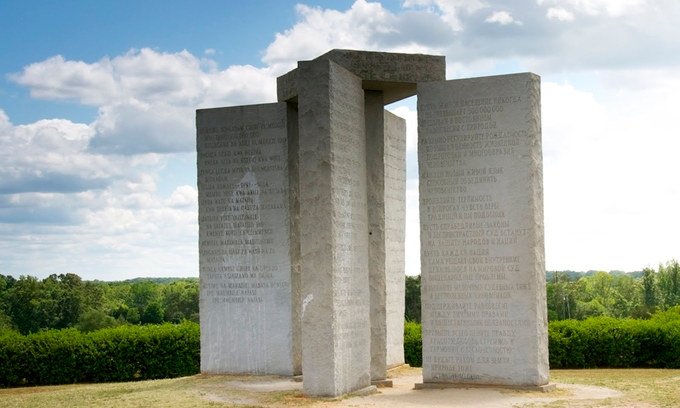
x=481 y=213
x=394 y=74
x=246 y=274
x=386 y=168
x=333 y=230
x=395 y=224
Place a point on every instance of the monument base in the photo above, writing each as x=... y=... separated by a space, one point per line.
x=371 y=389
x=440 y=385
x=382 y=383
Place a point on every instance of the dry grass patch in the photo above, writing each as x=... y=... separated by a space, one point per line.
x=640 y=387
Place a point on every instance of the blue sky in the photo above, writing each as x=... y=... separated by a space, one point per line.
x=97 y=101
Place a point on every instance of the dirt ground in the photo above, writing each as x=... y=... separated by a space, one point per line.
x=403 y=394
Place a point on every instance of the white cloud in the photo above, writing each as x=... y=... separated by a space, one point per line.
x=450 y=10
x=412 y=231
x=320 y=30
x=611 y=8
x=610 y=187
x=560 y=14
x=136 y=127
x=146 y=98
x=502 y=18
x=59 y=202
x=183 y=196
x=56 y=78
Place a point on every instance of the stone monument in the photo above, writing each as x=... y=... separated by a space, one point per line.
x=301 y=224
x=249 y=318
x=481 y=213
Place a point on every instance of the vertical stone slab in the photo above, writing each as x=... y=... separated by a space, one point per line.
x=395 y=225
x=386 y=178
x=294 y=203
x=375 y=168
x=244 y=241
x=333 y=230
x=481 y=213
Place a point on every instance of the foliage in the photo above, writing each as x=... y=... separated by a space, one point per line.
x=616 y=343
x=62 y=301
x=95 y=319
x=413 y=344
x=637 y=295
x=123 y=353
x=412 y=301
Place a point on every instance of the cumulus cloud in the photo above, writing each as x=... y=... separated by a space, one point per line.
x=611 y=8
x=322 y=29
x=560 y=14
x=453 y=12
x=146 y=98
x=602 y=191
x=502 y=18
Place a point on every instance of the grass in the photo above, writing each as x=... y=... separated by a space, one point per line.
x=187 y=392
x=640 y=388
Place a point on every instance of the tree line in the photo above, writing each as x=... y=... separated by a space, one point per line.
x=29 y=305
x=576 y=295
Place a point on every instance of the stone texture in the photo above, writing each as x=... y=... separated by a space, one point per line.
x=386 y=168
x=395 y=224
x=481 y=213
x=394 y=74
x=246 y=274
x=333 y=230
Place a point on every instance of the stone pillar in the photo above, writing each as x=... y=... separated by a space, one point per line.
x=386 y=158
x=246 y=273
x=395 y=225
x=333 y=230
x=481 y=213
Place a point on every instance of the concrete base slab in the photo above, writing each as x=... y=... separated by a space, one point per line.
x=438 y=386
x=382 y=383
x=371 y=389
x=398 y=367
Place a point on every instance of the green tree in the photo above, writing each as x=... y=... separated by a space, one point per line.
x=153 y=313
x=181 y=301
x=30 y=305
x=561 y=297
x=669 y=284
x=94 y=319
x=412 y=298
x=650 y=291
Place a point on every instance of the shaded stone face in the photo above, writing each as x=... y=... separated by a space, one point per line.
x=481 y=213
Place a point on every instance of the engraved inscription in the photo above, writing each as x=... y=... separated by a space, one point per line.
x=476 y=233
x=244 y=238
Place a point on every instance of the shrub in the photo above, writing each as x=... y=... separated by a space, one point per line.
x=614 y=343
x=413 y=344
x=123 y=353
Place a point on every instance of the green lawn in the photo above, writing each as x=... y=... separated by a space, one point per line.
x=641 y=388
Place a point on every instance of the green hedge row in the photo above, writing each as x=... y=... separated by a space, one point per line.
x=614 y=343
x=123 y=353
x=595 y=342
